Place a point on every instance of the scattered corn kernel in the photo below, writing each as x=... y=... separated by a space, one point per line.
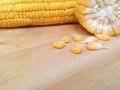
x=95 y=46
x=103 y=37
x=76 y=49
x=91 y=39
x=77 y=37
x=66 y=39
x=59 y=44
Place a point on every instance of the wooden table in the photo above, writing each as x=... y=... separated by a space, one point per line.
x=29 y=62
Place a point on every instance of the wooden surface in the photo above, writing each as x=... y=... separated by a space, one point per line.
x=28 y=61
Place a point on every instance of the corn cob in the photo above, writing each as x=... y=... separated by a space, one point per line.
x=99 y=16
x=17 y=13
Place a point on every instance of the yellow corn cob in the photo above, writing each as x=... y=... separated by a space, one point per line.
x=17 y=13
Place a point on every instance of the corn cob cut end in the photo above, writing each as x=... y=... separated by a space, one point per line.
x=99 y=16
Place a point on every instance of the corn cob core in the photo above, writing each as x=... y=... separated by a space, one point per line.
x=17 y=13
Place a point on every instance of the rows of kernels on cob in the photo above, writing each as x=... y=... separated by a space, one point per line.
x=16 y=13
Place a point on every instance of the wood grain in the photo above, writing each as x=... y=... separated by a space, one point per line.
x=29 y=62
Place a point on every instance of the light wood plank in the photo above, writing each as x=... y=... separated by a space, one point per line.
x=29 y=62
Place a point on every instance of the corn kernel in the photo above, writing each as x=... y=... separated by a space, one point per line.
x=103 y=37
x=59 y=44
x=91 y=39
x=66 y=39
x=76 y=49
x=77 y=37
x=95 y=46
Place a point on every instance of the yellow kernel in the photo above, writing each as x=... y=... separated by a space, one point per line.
x=103 y=37
x=59 y=44
x=77 y=38
x=90 y=39
x=95 y=46
x=76 y=49
x=66 y=39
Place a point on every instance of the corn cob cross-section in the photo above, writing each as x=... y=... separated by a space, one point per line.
x=17 y=13
x=99 y=16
